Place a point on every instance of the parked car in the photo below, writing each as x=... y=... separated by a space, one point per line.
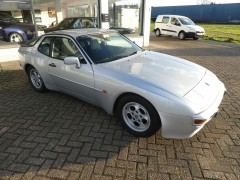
x=123 y=30
x=147 y=89
x=52 y=24
x=74 y=23
x=14 y=31
x=40 y=27
x=178 y=26
x=82 y=22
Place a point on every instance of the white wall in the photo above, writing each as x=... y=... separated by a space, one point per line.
x=7 y=6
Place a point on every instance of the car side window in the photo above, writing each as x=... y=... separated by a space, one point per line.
x=165 y=19
x=44 y=47
x=174 y=21
x=63 y=47
x=77 y=24
x=86 y=23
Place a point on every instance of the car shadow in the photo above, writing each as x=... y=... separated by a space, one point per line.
x=44 y=132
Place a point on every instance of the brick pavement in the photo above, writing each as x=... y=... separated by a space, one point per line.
x=54 y=136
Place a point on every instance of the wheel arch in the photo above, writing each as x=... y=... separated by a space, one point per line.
x=181 y=32
x=156 y=29
x=129 y=94
x=27 y=66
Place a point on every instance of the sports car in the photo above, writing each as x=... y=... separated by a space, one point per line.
x=147 y=90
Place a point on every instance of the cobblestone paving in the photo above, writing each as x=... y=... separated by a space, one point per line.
x=54 y=136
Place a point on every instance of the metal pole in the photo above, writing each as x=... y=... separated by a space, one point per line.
x=99 y=14
x=33 y=17
x=56 y=7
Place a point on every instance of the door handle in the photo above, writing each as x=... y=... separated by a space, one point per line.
x=52 y=65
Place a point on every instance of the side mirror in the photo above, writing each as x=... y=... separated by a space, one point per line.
x=72 y=60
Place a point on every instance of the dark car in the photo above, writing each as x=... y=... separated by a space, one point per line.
x=13 y=30
x=123 y=30
x=74 y=23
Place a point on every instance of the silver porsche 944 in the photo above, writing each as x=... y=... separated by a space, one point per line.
x=147 y=90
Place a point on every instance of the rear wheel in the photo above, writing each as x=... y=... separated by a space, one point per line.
x=195 y=38
x=15 y=37
x=182 y=35
x=36 y=79
x=138 y=116
x=158 y=32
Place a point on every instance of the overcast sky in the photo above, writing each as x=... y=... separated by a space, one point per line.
x=187 y=2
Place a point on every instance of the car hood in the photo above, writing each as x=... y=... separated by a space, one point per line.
x=173 y=74
x=23 y=27
x=196 y=27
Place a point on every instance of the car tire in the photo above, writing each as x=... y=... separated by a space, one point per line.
x=195 y=38
x=158 y=32
x=15 y=37
x=182 y=35
x=138 y=116
x=36 y=79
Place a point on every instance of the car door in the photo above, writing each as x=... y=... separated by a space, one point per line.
x=174 y=26
x=69 y=78
x=164 y=25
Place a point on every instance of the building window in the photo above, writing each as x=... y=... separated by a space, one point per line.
x=125 y=14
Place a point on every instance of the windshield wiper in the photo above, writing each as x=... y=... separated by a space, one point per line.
x=112 y=58
x=108 y=59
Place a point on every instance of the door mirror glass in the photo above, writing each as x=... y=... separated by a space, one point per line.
x=71 y=60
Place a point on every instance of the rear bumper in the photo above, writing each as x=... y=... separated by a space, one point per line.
x=2 y=35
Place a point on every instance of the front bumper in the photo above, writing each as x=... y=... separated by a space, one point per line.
x=197 y=34
x=181 y=127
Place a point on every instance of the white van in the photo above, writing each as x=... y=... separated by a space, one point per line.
x=179 y=26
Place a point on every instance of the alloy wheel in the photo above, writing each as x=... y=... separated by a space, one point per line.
x=136 y=116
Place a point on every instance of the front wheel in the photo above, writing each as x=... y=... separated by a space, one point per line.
x=138 y=116
x=195 y=38
x=15 y=37
x=36 y=79
x=182 y=36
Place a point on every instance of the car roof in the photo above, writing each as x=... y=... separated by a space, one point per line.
x=79 y=32
x=80 y=17
x=171 y=15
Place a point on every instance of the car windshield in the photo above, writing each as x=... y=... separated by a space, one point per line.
x=186 y=21
x=106 y=47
